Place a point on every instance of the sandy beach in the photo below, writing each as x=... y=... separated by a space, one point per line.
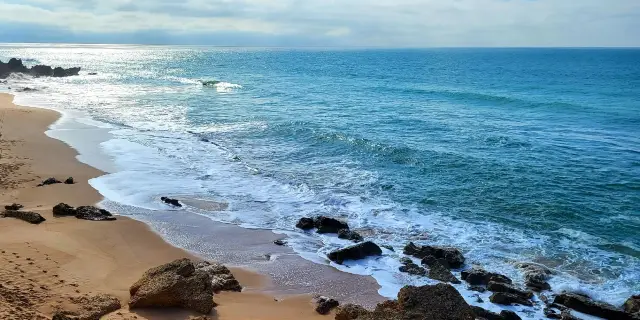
x=42 y=267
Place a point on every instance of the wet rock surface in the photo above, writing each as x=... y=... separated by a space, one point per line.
x=505 y=298
x=305 y=224
x=171 y=202
x=477 y=276
x=503 y=287
x=584 y=304
x=452 y=256
x=408 y=266
x=329 y=225
x=355 y=252
x=535 y=276
x=437 y=271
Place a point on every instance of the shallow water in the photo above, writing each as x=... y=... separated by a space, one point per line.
x=510 y=154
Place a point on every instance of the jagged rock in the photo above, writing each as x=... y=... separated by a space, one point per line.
x=324 y=305
x=566 y=315
x=14 y=207
x=49 y=181
x=477 y=276
x=94 y=214
x=16 y=66
x=632 y=305
x=505 y=298
x=503 y=287
x=355 y=252
x=453 y=256
x=176 y=284
x=69 y=181
x=169 y=201
x=31 y=217
x=41 y=71
x=89 y=308
x=349 y=235
x=587 y=305
x=350 y=311
x=535 y=276
x=329 y=225
x=305 y=224
x=280 y=242
x=63 y=210
x=221 y=277
x=485 y=314
x=439 y=272
x=411 y=268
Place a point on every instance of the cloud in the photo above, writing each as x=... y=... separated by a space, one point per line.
x=396 y=23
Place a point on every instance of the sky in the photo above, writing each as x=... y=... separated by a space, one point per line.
x=368 y=23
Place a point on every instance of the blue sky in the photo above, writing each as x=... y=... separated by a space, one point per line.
x=387 y=23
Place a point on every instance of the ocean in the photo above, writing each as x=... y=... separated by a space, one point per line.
x=510 y=155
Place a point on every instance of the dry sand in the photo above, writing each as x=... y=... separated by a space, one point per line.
x=44 y=266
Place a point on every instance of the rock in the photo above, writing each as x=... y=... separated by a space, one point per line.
x=49 y=181
x=94 y=214
x=480 y=289
x=503 y=287
x=176 y=284
x=27 y=89
x=535 y=276
x=349 y=235
x=329 y=225
x=632 y=305
x=280 y=242
x=324 y=305
x=41 y=71
x=509 y=315
x=453 y=256
x=169 y=201
x=16 y=66
x=89 y=308
x=477 y=276
x=586 y=305
x=439 y=272
x=355 y=252
x=14 y=207
x=411 y=268
x=305 y=224
x=350 y=311
x=92 y=73
x=551 y=313
x=69 y=181
x=31 y=217
x=441 y=301
x=221 y=277
x=506 y=298
x=388 y=247
x=62 y=72
x=485 y=314
x=566 y=315
x=64 y=210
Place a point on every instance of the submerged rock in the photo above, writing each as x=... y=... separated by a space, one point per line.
x=172 y=202
x=350 y=235
x=355 y=252
x=31 y=217
x=324 y=305
x=305 y=224
x=329 y=225
x=176 y=284
x=94 y=214
x=64 y=210
x=452 y=256
x=478 y=276
x=587 y=305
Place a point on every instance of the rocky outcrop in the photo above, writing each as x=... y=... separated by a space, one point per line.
x=535 y=276
x=94 y=214
x=632 y=305
x=437 y=271
x=221 y=277
x=329 y=225
x=506 y=298
x=176 y=284
x=31 y=217
x=452 y=256
x=14 y=207
x=324 y=305
x=16 y=66
x=584 y=304
x=349 y=235
x=172 y=202
x=64 y=210
x=355 y=252
x=89 y=308
x=477 y=276
x=305 y=224
x=408 y=266
x=49 y=181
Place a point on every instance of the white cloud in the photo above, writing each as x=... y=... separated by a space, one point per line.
x=354 y=22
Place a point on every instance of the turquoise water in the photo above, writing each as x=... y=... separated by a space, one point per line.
x=510 y=154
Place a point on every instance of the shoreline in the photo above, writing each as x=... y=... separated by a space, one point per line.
x=91 y=257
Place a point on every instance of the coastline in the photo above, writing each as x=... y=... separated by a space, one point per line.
x=71 y=256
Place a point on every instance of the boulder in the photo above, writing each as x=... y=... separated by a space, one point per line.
x=89 y=308
x=477 y=276
x=324 y=305
x=329 y=225
x=350 y=311
x=349 y=235
x=439 y=272
x=355 y=252
x=14 y=207
x=440 y=301
x=221 y=277
x=503 y=287
x=49 y=181
x=94 y=214
x=505 y=298
x=411 y=268
x=31 y=217
x=69 y=181
x=64 y=210
x=452 y=256
x=305 y=224
x=632 y=305
x=176 y=284
x=587 y=305
x=535 y=276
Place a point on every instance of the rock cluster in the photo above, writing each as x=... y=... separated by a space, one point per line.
x=451 y=257
x=324 y=224
x=16 y=66
x=85 y=212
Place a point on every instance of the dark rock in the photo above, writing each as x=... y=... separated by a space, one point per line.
x=62 y=72
x=355 y=252
x=509 y=315
x=485 y=314
x=632 y=305
x=586 y=305
x=221 y=277
x=411 y=268
x=477 y=288
x=566 y=315
x=329 y=225
x=16 y=66
x=69 y=181
x=324 y=305
x=89 y=308
x=503 y=287
x=453 y=256
x=14 y=207
x=536 y=276
x=94 y=214
x=31 y=217
x=551 y=313
x=49 y=181
x=439 y=272
x=350 y=311
x=349 y=235
x=505 y=298
x=41 y=71
x=477 y=276
x=172 y=202
x=64 y=210
x=441 y=301
x=92 y=73
x=280 y=242
x=176 y=284
x=390 y=248
x=305 y=224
